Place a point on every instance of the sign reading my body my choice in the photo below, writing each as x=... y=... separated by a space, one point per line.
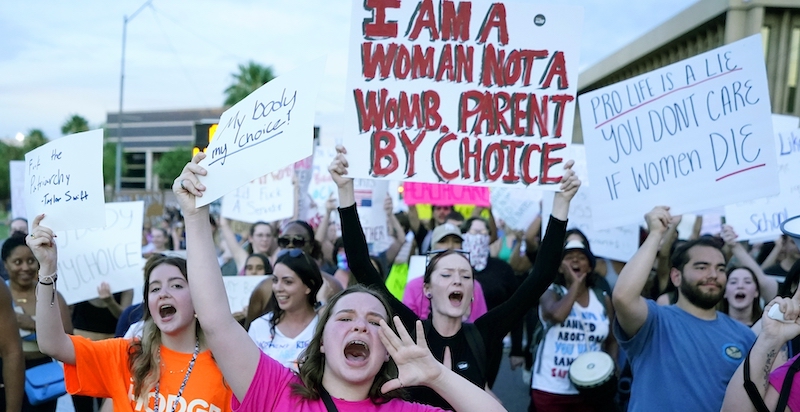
x=271 y=128
x=471 y=93
x=694 y=135
x=64 y=180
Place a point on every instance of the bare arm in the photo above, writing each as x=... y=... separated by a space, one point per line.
x=767 y=287
x=236 y=250
x=52 y=314
x=663 y=264
x=126 y=298
x=11 y=353
x=519 y=262
x=630 y=305
x=555 y=309
x=397 y=231
x=258 y=302
x=235 y=353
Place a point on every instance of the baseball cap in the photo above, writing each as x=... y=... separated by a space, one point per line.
x=578 y=245
x=444 y=230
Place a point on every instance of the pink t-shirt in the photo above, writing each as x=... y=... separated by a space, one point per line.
x=271 y=391
x=414 y=298
x=776 y=380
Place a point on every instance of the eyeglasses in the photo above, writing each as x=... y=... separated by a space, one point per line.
x=291 y=252
x=295 y=241
x=433 y=254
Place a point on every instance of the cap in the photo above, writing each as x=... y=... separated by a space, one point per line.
x=444 y=230
x=578 y=245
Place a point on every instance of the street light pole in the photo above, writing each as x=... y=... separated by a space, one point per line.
x=118 y=163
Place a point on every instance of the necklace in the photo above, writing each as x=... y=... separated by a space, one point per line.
x=185 y=378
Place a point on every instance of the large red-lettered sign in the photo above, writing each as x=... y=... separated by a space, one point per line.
x=473 y=93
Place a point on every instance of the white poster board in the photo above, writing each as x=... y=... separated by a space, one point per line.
x=470 y=93
x=88 y=257
x=16 y=171
x=239 y=289
x=271 y=128
x=693 y=135
x=370 y=195
x=267 y=199
x=761 y=219
x=321 y=186
x=517 y=207
x=64 y=180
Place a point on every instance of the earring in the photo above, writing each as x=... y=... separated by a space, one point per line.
x=428 y=295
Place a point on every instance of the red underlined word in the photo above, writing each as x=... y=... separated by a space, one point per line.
x=665 y=95
x=740 y=171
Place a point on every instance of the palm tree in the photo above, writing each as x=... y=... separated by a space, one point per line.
x=250 y=77
x=74 y=124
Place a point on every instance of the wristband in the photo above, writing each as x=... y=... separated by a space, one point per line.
x=50 y=280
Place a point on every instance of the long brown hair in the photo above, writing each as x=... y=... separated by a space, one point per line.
x=143 y=360
x=312 y=360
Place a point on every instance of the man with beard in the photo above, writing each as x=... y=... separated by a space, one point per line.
x=682 y=356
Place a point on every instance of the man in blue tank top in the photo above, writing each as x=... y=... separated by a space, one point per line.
x=682 y=355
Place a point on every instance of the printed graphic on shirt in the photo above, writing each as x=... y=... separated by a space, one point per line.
x=732 y=352
x=578 y=333
x=166 y=400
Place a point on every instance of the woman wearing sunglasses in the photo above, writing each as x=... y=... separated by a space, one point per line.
x=355 y=361
x=449 y=285
x=286 y=329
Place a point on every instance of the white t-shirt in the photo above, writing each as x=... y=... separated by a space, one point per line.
x=279 y=347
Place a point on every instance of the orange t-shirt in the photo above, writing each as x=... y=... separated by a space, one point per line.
x=101 y=371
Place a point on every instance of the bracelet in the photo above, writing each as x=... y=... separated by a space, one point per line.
x=52 y=281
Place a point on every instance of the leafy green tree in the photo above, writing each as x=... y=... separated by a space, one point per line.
x=34 y=139
x=170 y=164
x=74 y=124
x=250 y=77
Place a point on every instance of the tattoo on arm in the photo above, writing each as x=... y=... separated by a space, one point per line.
x=768 y=366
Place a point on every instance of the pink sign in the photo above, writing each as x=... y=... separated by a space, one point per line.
x=445 y=195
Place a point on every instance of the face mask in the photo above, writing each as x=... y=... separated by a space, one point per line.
x=478 y=248
x=341 y=261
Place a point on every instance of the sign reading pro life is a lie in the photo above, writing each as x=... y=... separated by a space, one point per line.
x=693 y=135
x=470 y=93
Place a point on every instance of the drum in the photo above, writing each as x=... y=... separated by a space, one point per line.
x=592 y=373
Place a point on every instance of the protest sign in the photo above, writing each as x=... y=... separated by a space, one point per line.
x=416 y=267
x=692 y=135
x=239 y=289
x=88 y=257
x=445 y=195
x=321 y=187
x=370 y=195
x=303 y=171
x=64 y=180
x=517 y=207
x=16 y=172
x=271 y=128
x=471 y=93
x=268 y=198
x=619 y=243
x=761 y=219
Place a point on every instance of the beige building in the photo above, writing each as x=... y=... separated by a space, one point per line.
x=706 y=25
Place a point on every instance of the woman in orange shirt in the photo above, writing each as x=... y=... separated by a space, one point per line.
x=168 y=369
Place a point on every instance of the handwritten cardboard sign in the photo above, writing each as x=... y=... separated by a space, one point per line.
x=268 y=198
x=470 y=93
x=445 y=195
x=271 y=128
x=370 y=195
x=761 y=219
x=321 y=186
x=64 y=180
x=239 y=289
x=88 y=257
x=693 y=135
x=517 y=207
x=16 y=169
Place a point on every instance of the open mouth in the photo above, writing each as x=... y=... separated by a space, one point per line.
x=166 y=311
x=456 y=298
x=740 y=296
x=357 y=351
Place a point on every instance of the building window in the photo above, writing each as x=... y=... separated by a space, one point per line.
x=791 y=79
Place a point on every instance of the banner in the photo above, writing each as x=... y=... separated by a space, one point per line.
x=470 y=93
x=239 y=289
x=445 y=195
x=16 y=171
x=88 y=257
x=64 y=180
x=268 y=198
x=693 y=135
x=271 y=128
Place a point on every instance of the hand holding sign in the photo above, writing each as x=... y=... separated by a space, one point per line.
x=187 y=186
x=41 y=240
x=338 y=168
x=658 y=219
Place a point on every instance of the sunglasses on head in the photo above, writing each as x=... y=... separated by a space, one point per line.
x=434 y=253
x=295 y=241
x=291 y=252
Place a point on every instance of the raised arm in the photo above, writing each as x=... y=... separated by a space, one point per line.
x=235 y=353
x=500 y=320
x=50 y=307
x=396 y=229
x=663 y=263
x=767 y=286
x=629 y=304
x=11 y=352
x=116 y=308
x=236 y=250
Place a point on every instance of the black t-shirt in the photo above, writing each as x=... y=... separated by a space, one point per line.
x=498 y=282
x=89 y=317
x=776 y=270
